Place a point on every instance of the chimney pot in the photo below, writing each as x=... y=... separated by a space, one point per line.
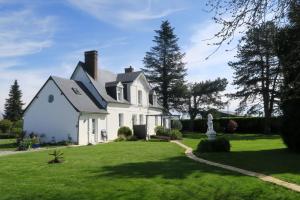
x=91 y=63
x=129 y=69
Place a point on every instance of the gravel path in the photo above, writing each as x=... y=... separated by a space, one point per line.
x=263 y=177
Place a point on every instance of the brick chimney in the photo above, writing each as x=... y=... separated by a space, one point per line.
x=91 y=63
x=129 y=69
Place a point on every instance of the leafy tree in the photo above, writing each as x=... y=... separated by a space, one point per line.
x=289 y=51
x=163 y=64
x=201 y=97
x=233 y=14
x=13 y=106
x=257 y=72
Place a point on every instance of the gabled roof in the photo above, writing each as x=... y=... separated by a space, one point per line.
x=102 y=91
x=83 y=101
x=128 y=77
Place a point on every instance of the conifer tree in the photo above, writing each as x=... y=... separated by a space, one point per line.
x=13 y=106
x=257 y=72
x=164 y=66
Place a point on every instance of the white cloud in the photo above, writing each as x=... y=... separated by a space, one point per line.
x=199 y=67
x=123 y=12
x=23 y=33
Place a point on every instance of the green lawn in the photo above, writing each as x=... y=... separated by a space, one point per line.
x=8 y=144
x=260 y=153
x=127 y=170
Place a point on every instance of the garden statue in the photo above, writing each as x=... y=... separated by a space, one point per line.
x=211 y=134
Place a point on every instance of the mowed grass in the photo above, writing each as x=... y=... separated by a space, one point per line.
x=8 y=144
x=260 y=153
x=127 y=170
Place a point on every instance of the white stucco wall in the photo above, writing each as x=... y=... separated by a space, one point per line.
x=56 y=119
x=139 y=84
x=128 y=111
x=85 y=133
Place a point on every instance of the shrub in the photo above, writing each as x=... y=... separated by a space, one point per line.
x=175 y=134
x=231 y=126
x=290 y=127
x=120 y=139
x=159 y=130
x=218 y=145
x=132 y=138
x=124 y=131
x=57 y=157
x=25 y=144
x=5 y=125
x=245 y=124
x=176 y=124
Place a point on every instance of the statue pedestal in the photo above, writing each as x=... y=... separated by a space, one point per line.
x=211 y=135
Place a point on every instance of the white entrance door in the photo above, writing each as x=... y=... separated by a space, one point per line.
x=92 y=131
x=101 y=128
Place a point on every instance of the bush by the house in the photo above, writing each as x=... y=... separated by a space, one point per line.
x=25 y=144
x=159 y=130
x=175 y=134
x=124 y=131
x=217 y=145
x=245 y=125
x=132 y=138
x=231 y=126
x=5 y=125
x=176 y=124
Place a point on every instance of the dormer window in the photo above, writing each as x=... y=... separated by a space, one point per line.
x=154 y=100
x=119 y=93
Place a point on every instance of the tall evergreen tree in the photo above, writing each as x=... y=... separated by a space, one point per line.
x=163 y=65
x=13 y=106
x=257 y=72
x=289 y=51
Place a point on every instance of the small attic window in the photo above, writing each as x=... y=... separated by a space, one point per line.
x=76 y=91
x=50 y=98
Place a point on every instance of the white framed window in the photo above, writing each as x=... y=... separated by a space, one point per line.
x=156 y=120
x=140 y=97
x=134 y=119
x=121 y=119
x=93 y=126
x=119 y=93
x=141 y=119
x=154 y=100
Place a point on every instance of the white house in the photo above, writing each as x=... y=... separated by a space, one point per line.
x=92 y=105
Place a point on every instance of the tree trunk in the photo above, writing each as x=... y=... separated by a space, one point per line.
x=267 y=123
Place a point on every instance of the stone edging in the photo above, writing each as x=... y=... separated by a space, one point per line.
x=263 y=177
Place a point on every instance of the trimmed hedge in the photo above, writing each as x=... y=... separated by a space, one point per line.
x=217 y=145
x=124 y=131
x=245 y=125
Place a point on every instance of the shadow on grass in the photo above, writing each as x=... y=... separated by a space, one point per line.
x=232 y=136
x=173 y=168
x=273 y=161
x=8 y=146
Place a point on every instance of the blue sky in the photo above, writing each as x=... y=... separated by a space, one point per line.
x=43 y=38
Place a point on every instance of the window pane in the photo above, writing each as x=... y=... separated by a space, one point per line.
x=121 y=120
x=140 y=97
x=93 y=126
